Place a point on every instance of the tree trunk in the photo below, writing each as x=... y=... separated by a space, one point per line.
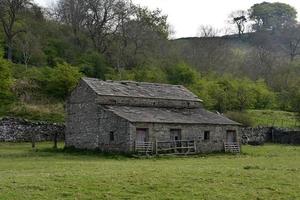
x=9 y=50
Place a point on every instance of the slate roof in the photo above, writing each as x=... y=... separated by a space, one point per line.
x=140 y=89
x=170 y=115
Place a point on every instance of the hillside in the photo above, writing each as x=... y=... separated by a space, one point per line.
x=45 y=54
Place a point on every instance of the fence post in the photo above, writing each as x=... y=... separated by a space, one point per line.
x=55 y=140
x=156 y=147
x=33 y=140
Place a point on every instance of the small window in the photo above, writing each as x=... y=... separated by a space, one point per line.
x=206 y=135
x=112 y=136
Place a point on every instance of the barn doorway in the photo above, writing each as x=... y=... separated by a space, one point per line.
x=142 y=135
x=231 y=136
x=175 y=134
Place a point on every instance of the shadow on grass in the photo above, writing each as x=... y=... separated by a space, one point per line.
x=72 y=153
x=123 y=156
x=85 y=153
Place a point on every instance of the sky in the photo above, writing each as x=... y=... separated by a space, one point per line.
x=185 y=16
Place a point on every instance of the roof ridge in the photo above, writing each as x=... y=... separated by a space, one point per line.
x=136 y=82
x=140 y=89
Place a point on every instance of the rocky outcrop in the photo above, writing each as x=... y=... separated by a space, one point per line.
x=20 y=130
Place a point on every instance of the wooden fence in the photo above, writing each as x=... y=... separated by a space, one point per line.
x=177 y=147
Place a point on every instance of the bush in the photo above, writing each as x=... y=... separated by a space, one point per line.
x=94 y=65
x=182 y=74
x=63 y=79
x=240 y=117
x=5 y=76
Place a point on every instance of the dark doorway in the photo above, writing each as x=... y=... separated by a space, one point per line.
x=142 y=135
x=175 y=134
x=231 y=136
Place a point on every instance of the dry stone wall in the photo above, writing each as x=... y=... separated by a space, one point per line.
x=20 y=130
x=261 y=135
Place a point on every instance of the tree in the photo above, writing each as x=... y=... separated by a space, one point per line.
x=10 y=15
x=94 y=65
x=27 y=44
x=206 y=31
x=272 y=16
x=5 y=76
x=73 y=13
x=181 y=74
x=290 y=41
x=101 y=22
x=62 y=80
x=141 y=36
x=239 y=19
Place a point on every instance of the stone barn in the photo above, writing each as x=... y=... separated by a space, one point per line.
x=126 y=116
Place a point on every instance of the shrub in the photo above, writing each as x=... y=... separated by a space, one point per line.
x=63 y=78
x=240 y=117
x=5 y=76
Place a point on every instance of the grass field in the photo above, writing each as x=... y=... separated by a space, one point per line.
x=274 y=118
x=266 y=172
x=266 y=118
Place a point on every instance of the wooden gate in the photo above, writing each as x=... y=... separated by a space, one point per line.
x=176 y=147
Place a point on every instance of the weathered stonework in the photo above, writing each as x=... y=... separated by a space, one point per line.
x=261 y=135
x=106 y=115
x=255 y=136
x=161 y=132
x=19 y=130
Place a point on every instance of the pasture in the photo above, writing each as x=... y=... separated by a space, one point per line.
x=264 y=172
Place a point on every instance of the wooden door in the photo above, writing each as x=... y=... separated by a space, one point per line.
x=175 y=134
x=141 y=135
x=231 y=136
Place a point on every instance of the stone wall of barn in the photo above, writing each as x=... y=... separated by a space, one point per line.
x=161 y=132
x=81 y=119
x=114 y=132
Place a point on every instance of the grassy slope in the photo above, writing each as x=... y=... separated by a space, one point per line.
x=37 y=112
x=267 y=172
x=276 y=118
x=266 y=118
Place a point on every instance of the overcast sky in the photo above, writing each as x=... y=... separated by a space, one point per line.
x=185 y=16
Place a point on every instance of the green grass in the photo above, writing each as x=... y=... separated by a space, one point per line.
x=275 y=118
x=36 y=112
x=264 y=172
x=266 y=118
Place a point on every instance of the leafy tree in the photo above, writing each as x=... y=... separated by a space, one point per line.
x=94 y=65
x=272 y=16
x=181 y=74
x=10 y=11
x=296 y=101
x=63 y=78
x=264 y=97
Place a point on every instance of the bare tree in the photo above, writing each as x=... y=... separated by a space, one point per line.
x=239 y=19
x=207 y=31
x=101 y=22
x=73 y=13
x=27 y=44
x=290 y=41
x=9 y=15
